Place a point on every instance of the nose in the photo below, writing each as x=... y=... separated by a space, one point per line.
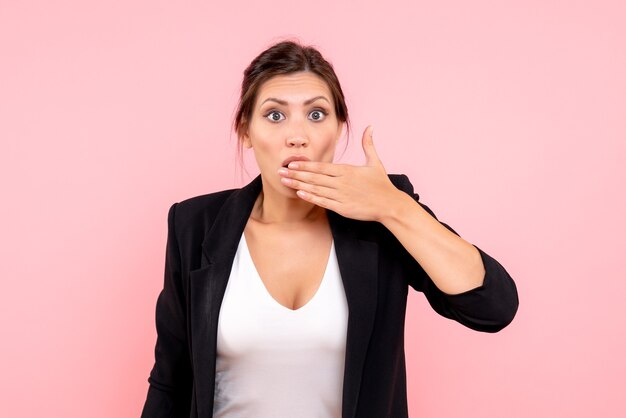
x=297 y=141
x=297 y=132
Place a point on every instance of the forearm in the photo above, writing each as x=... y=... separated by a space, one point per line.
x=453 y=264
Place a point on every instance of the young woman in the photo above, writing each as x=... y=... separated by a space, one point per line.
x=287 y=297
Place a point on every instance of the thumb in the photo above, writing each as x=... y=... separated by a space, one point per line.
x=371 y=157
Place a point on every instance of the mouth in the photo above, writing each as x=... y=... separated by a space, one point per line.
x=295 y=158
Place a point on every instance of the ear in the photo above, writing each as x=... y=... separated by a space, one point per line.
x=247 y=143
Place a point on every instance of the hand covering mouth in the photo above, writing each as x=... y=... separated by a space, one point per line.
x=295 y=158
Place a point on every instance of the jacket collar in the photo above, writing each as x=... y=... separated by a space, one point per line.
x=358 y=265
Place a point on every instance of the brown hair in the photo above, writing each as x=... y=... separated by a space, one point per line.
x=283 y=58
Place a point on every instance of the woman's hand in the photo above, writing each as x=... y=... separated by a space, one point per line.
x=365 y=193
x=358 y=192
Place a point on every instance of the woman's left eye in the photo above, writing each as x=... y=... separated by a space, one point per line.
x=318 y=114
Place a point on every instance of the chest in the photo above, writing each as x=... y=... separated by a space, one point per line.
x=290 y=263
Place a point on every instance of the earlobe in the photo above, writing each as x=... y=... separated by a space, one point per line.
x=246 y=141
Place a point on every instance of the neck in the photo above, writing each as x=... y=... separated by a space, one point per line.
x=272 y=207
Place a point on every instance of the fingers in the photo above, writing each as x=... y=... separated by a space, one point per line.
x=317 y=189
x=329 y=169
x=371 y=157
x=308 y=177
x=319 y=200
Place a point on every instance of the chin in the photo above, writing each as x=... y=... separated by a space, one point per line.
x=281 y=189
x=289 y=192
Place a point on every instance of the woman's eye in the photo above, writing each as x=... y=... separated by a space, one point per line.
x=274 y=116
x=317 y=114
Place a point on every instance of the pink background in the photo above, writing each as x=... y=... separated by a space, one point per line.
x=509 y=118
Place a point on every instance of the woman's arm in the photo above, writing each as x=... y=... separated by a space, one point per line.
x=461 y=281
x=453 y=264
x=169 y=394
x=489 y=307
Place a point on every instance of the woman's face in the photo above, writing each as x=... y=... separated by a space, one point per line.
x=293 y=115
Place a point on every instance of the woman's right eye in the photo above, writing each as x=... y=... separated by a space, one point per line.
x=274 y=116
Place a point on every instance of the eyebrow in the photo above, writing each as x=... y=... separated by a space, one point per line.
x=284 y=103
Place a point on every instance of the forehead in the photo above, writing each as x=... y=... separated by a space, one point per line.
x=294 y=87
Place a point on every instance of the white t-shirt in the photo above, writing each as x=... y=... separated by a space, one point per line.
x=275 y=362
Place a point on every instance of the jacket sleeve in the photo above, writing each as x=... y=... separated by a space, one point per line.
x=169 y=393
x=487 y=308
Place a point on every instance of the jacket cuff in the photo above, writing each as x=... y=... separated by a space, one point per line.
x=491 y=306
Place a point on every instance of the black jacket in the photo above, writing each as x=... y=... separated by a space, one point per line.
x=203 y=233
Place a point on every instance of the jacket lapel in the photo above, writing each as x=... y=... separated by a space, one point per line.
x=208 y=285
x=358 y=265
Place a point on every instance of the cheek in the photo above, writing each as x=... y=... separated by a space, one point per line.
x=330 y=139
x=259 y=137
x=328 y=148
x=265 y=149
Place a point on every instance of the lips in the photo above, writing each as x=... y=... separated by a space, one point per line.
x=295 y=158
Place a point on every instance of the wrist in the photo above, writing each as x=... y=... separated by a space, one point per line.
x=396 y=207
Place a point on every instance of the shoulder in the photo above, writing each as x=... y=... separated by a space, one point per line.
x=202 y=203
x=198 y=211
x=402 y=182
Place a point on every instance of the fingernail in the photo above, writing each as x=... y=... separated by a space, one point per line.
x=293 y=165
x=283 y=171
